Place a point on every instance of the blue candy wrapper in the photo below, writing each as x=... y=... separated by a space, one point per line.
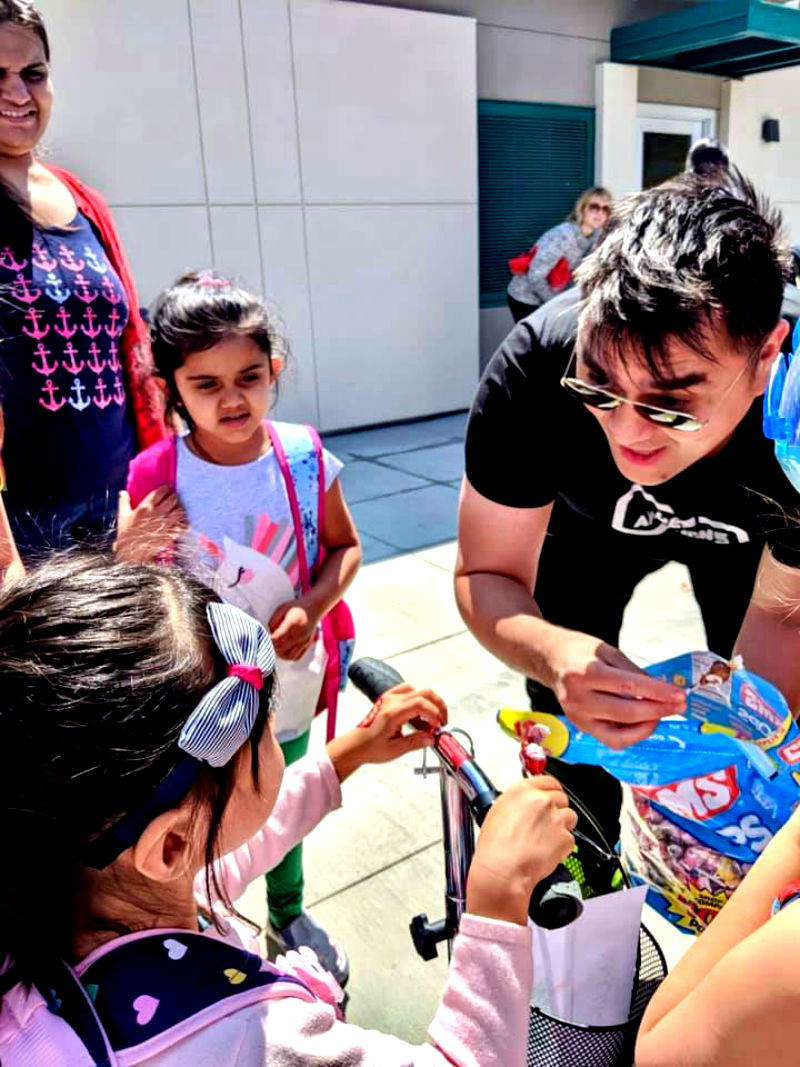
x=705 y=793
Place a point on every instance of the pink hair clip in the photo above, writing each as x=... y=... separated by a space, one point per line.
x=206 y=277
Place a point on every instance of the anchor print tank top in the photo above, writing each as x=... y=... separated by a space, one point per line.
x=69 y=433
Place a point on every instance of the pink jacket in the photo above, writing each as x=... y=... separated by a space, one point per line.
x=481 y=1021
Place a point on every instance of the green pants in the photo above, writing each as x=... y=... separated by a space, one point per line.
x=285 y=882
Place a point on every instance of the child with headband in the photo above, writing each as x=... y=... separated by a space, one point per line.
x=268 y=526
x=143 y=788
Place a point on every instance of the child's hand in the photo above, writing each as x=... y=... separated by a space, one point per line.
x=146 y=531
x=380 y=738
x=526 y=834
x=293 y=627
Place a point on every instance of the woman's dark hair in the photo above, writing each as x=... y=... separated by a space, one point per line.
x=24 y=13
x=680 y=262
x=101 y=663
x=15 y=215
x=203 y=309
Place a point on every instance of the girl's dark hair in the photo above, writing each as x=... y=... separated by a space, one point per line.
x=101 y=663
x=200 y=310
x=15 y=215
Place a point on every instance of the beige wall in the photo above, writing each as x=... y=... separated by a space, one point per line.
x=775 y=168
x=543 y=51
x=658 y=86
x=323 y=151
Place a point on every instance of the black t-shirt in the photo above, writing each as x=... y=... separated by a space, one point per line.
x=530 y=443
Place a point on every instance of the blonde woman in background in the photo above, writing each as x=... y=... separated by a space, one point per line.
x=558 y=252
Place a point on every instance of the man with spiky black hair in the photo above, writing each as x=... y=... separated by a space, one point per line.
x=620 y=427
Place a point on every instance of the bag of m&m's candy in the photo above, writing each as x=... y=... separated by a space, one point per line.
x=706 y=792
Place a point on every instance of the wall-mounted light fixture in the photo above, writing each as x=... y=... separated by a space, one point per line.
x=770 y=130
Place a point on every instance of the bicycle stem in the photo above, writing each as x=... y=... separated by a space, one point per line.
x=466 y=795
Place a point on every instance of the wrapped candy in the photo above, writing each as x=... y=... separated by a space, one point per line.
x=532 y=754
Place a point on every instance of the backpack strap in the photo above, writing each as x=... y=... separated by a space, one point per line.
x=298 y=451
x=152 y=990
x=65 y=997
x=151 y=469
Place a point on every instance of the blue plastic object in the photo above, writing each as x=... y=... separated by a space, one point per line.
x=706 y=791
x=782 y=410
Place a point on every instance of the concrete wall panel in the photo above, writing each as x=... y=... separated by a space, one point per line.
x=574 y=18
x=285 y=285
x=126 y=116
x=395 y=299
x=222 y=99
x=191 y=129
x=537 y=66
x=236 y=244
x=270 y=81
x=400 y=126
x=162 y=243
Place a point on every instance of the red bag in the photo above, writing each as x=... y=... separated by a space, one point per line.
x=520 y=264
x=558 y=278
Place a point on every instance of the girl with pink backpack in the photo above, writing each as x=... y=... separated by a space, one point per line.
x=142 y=788
x=253 y=508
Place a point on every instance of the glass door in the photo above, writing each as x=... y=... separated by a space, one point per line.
x=665 y=134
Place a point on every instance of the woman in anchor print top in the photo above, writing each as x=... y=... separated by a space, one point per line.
x=75 y=391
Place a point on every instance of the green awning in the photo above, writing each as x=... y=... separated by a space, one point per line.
x=728 y=37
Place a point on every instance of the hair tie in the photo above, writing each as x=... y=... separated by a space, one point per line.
x=252 y=675
x=207 y=277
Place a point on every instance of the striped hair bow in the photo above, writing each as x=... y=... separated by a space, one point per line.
x=224 y=718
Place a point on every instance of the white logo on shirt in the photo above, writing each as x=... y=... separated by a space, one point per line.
x=638 y=512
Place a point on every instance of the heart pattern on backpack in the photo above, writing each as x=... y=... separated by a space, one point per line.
x=145 y=1007
x=234 y=976
x=176 y=950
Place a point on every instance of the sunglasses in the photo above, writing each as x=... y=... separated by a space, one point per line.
x=605 y=208
x=595 y=396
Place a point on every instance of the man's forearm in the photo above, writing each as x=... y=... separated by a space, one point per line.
x=504 y=617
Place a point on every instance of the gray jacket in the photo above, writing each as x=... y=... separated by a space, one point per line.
x=562 y=242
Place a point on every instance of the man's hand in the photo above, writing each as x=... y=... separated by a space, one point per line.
x=606 y=695
x=147 y=531
x=293 y=627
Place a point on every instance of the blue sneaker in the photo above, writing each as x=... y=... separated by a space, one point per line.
x=304 y=930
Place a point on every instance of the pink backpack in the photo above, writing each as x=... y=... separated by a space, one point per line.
x=298 y=450
x=135 y=998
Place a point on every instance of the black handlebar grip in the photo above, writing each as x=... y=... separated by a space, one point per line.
x=373 y=677
x=556 y=900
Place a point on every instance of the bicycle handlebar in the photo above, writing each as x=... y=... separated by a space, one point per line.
x=555 y=901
